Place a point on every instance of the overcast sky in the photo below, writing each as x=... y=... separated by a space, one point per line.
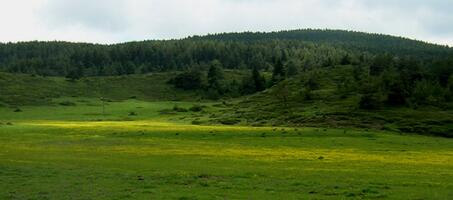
x=112 y=21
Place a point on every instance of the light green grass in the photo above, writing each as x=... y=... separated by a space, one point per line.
x=21 y=89
x=57 y=152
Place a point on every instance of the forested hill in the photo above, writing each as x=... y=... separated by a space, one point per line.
x=306 y=48
x=375 y=43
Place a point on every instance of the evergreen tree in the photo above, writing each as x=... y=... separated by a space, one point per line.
x=380 y=63
x=346 y=60
x=293 y=67
x=215 y=76
x=190 y=80
x=258 y=80
x=279 y=73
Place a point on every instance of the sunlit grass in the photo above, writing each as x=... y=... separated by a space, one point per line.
x=176 y=147
x=156 y=157
x=139 y=125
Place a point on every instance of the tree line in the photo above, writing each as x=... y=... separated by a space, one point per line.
x=387 y=70
x=309 y=48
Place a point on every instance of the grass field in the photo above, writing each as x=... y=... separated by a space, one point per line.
x=76 y=152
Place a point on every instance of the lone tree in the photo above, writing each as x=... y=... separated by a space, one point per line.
x=279 y=72
x=258 y=80
x=292 y=67
x=215 y=76
x=281 y=91
x=253 y=83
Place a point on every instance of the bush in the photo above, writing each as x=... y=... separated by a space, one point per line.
x=67 y=103
x=191 y=80
x=428 y=93
x=306 y=94
x=212 y=94
x=176 y=108
x=370 y=95
x=196 y=108
x=369 y=101
x=229 y=121
x=17 y=110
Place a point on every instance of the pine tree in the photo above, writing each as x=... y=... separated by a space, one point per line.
x=258 y=80
x=279 y=73
x=215 y=76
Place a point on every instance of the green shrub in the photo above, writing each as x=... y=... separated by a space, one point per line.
x=196 y=108
x=176 y=108
x=191 y=80
x=369 y=101
x=428 y=92
x=229 y=121
x=67 y=103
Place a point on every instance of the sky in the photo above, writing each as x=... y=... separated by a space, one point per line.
x=115 y=21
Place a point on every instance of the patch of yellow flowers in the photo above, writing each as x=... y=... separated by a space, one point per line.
x=176 y=147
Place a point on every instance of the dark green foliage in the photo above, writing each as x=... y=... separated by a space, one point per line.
x=310 y=81
x=67 y=103
x=346 y=60
x=234 y=51
x=370 y=101
x=229 y=121
x=233 y=89
x=196 y=108
x=426 y=92
x=281 y=92
x=253 y=83
x=215 y=78
x=393 y=88
x=258 y=80
x=279 y=72
x=375 y=43
x=359 y=72
x=213 y=94
x=190 y=80
x=292 y=67
x=370 y=96
x=379 y=64
x=176 y=108
x=442 y=69
x=75 y=74
x=449 y=93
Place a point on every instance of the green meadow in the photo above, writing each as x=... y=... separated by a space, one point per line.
x=141 y=150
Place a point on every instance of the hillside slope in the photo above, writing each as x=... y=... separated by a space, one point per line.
x=329 y=106
x=21 y=89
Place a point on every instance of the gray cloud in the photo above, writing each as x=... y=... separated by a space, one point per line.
x=100 y=14
x=109 y=21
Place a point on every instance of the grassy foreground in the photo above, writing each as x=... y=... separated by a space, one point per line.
x=56 y=152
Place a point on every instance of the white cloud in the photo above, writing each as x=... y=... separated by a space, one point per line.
x=109 y=21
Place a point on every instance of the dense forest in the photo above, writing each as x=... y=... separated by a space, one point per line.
x=309 y=48
x=388 y=69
